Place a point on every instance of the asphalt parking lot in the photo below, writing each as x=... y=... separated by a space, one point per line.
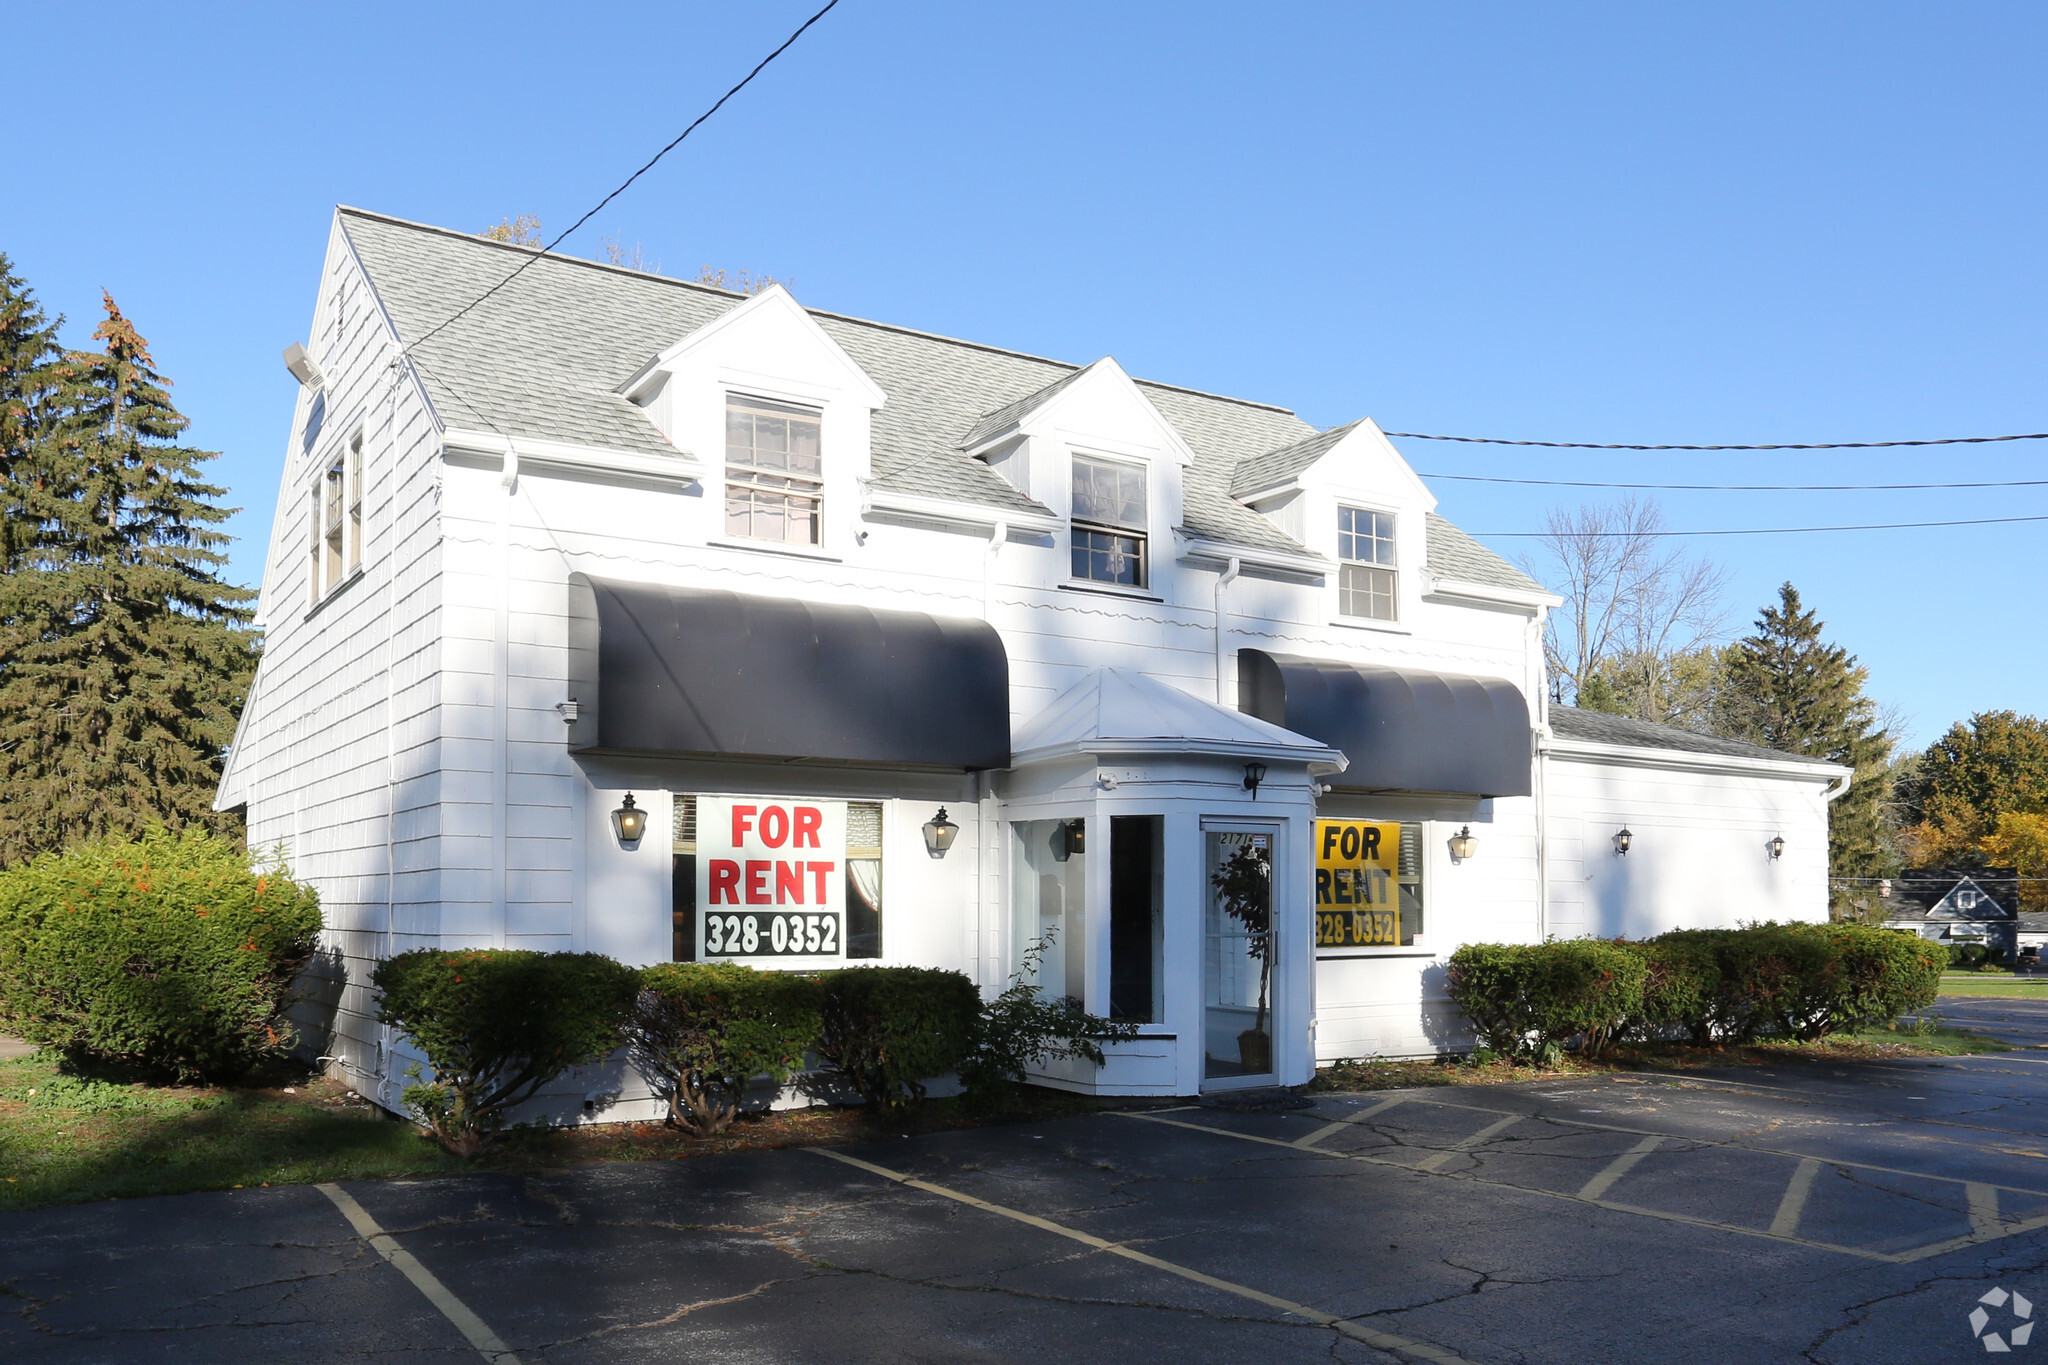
x=1798 y=1213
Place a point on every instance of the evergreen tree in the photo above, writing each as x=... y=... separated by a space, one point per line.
x=127 y=655
x=1786 y=688
x=28 y=350
x=1996 y=765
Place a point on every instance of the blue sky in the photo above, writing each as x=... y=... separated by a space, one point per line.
x=1661 y=223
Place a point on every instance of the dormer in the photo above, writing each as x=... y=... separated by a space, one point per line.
x=1348 y=495
x=777 y=413
x=1092 y=449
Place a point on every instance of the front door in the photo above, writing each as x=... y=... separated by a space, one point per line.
x=1238 y=955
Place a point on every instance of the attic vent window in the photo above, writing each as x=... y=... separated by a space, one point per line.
x=1367 y=578
x=774 y=471
x=1109 y=521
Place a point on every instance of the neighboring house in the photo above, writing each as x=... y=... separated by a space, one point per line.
x=1956 y=906
x=916 y=650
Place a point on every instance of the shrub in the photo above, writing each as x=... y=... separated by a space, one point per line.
x=1528 y=1000
x=702 y=1030
x=496 y=1025
x=1681 y=981
x=1885 y=973
x=890 y=1029
x=173 y=952
x=1023 y=1027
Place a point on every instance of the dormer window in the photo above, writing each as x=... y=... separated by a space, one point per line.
x=1368 y=575
x=774 y=471
x=1109 y=521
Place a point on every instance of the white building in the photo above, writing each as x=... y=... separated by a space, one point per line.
x=796 y=580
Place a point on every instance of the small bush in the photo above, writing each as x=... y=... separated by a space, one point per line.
x=1681 y=982
x=174 y=952
x=496 y=1025
x=1023 y=1027
x=702 y=1030
x=1885 y=973
x=1529 y=1000
x=890 y=1029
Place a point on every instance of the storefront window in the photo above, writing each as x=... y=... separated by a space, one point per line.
x=683 y=881
x=1137 y=917
x=1368 y=883
x=1049 y=903
x=864 y=879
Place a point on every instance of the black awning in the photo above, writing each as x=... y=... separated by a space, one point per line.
x=1404 y=729
x=702 y=671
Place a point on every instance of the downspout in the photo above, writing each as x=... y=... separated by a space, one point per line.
x=998 y=536
x=1223 y=582
x=501 y=667
x=988 y=843
x=386 y=1035
x=1539 y=743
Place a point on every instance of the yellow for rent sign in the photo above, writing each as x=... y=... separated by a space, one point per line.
x=1358 y=901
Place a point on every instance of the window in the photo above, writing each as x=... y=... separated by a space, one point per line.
x=1109 y=521
x=863 y=879
x=355 y=502
x=330 y=515
x=1368 y=883
x=1366 y=580
x=1137 y=918
x=1049 y=905
x=313 y=540
x=683 y=881
x=774 y=473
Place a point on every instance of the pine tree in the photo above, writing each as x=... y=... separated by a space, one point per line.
x=28 y=350
x=1786 y=689
x=127 y=654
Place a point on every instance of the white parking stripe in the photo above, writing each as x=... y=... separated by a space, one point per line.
x=1785 y=1223
x=1435 y=1161
x=1618 y=1168
x=455 y=1310
x=1385 y=1341
x=1984 y=1219
x=1341 y=1124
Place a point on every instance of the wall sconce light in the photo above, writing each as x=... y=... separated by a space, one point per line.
x=1463 y=845
x=1777 y=847
x=629 y=822
x=939 y=833
x=568 y=710
x=1070 y=838
x=1254 y=774
x=1622 y=840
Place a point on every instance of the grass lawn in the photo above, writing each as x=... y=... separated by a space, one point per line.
x=1994 y=984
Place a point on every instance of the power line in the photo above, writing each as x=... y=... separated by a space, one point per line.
x=1759 y=530
x=1743 y=487
x=625 y=184
x=1786 y=445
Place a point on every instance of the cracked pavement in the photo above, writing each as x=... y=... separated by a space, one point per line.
x=1610 y=1219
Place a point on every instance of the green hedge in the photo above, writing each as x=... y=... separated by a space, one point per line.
x=496 y=1025
x=1800 y=981
x=171 y=952
x=890 y=1029
x=702 y=1030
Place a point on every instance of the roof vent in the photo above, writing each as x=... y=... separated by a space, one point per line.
x=302 y=367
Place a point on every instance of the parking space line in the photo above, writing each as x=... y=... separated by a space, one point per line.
x=1435 y=1161
x=1984 y=1217
x=1792 y=1203
x=1341 y=1124
x=1385 y=1341
x=1617 y=1168
x=487 y=1342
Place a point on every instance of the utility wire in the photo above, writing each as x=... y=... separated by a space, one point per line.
x=1757 y=530
x=1788 y=445
x=624 y=185
x=1744 y=487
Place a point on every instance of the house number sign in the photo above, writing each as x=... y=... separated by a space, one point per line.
x=1358 y=900
x=771 y=878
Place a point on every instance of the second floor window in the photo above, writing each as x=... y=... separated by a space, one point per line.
x=1109 y=521
x=774 y=472
x=334 y=516
x=1367 y=577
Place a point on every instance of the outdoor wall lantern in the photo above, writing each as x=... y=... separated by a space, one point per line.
x=1463 y=845
x=1254 y=774
x=629 y=822
x=939 y=833
x=1070 y=838
x=1777 y=848
x=1622 y=840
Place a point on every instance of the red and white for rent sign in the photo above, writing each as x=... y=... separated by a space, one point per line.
x=771 y=877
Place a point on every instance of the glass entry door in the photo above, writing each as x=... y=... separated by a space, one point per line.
x=1237 y=954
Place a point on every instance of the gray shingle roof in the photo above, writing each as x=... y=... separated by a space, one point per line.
x=1261 y=472
x=1453 y=554
x=1602 y=728
x=544 y=358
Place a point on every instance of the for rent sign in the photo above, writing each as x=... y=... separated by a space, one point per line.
x=1358 y=900
x=771 y=877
